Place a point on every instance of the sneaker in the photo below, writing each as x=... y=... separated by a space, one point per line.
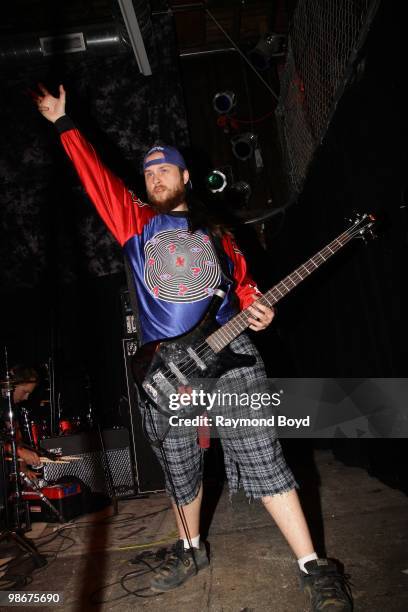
x=180 y=565
x=326 y=586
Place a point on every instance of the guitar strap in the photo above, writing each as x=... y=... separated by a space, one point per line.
x=135 y=309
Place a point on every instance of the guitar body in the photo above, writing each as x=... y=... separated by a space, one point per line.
x=161 y=368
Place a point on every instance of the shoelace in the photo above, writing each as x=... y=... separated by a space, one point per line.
x=176 y=555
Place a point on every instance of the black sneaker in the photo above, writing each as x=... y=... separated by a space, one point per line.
x=326 y=586
x=180 y=566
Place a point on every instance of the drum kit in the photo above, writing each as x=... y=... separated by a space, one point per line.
x=22 y=482
x=20 y=431
x=43 y=418
x=37 y=428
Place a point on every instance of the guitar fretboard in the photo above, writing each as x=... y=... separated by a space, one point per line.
x=235 y=326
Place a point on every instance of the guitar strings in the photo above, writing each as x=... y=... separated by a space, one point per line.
x=205 y=347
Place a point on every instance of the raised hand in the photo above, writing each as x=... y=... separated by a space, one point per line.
x=50 y=107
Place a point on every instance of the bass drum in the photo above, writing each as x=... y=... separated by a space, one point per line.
x=71 y=425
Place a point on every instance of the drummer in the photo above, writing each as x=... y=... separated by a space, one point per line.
x=25 y=379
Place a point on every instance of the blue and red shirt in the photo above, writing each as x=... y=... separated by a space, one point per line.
x=175 y=271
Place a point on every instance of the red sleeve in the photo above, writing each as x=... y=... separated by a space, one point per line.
x=245 y=286
x=122 y=212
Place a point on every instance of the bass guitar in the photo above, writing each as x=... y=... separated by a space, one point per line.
x=160 y=368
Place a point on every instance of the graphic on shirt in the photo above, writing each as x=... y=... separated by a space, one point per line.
x=136 y=200
x=181 y=267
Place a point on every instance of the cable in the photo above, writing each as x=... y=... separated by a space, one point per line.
x=58 y=533
x=63 y=537
x=13 y=582
x=244 y=57
x=251 y=121
x=104 y=521
x=154 y=543
x=173 y=488
x=18 y=581
x=147 y=558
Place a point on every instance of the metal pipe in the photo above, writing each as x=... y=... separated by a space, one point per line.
x=102 y=39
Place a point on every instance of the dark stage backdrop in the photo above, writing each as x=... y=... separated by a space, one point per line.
x=349 y=320
x=49 y=227
x=61 y=271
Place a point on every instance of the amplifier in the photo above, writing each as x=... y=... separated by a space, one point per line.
x=92 y=466
x=149 y=475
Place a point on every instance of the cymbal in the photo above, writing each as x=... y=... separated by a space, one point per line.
x=10 y=381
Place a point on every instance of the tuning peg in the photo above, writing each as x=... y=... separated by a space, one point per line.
x=367 y=235
x=354 y=218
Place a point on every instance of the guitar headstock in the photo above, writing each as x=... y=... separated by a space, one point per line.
x=362 y=226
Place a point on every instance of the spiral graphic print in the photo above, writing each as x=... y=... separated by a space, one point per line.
x=180 y=266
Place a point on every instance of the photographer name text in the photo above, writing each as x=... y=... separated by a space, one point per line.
x=280 y=420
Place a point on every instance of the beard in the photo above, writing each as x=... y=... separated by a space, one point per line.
x=168 y=199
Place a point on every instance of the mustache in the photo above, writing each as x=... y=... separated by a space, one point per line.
x=173 y=199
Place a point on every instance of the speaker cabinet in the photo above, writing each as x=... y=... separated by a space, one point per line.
x=149 y=474
x=91 y=465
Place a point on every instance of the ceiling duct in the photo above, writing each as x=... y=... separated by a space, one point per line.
x=105 y=39
x=102 y=39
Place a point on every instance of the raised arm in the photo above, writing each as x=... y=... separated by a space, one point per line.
x=122 y=212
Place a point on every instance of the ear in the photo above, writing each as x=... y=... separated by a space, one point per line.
x=186 y=176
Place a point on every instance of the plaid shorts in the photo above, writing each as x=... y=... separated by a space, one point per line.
x=253 y=460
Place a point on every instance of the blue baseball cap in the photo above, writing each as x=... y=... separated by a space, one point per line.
x=170 y=155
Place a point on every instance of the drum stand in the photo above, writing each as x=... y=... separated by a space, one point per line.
x=15 y=531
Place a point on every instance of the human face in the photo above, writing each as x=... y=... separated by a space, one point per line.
x=165 y=185
x=23 y=391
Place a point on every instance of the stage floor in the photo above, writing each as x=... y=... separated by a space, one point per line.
x=361 y=521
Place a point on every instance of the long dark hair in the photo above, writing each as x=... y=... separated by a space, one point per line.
x=200 y=217
x=22 y=373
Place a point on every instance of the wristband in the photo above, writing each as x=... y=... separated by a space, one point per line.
x=63 y=124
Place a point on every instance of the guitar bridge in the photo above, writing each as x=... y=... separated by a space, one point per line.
x=162 y=384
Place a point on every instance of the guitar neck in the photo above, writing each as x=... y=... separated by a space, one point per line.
x=235 y=326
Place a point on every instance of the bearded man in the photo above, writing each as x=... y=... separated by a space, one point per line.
x=175 y=267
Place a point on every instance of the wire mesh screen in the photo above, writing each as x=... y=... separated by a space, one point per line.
x=324 y=40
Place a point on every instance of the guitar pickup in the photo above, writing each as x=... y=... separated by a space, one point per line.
x=163 y=384
x=200 y=363
x=180 y=376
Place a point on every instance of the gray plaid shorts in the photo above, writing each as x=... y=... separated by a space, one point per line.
x=254 y=462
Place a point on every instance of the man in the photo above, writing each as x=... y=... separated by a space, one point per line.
x=168 y=246
x=25 y=380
